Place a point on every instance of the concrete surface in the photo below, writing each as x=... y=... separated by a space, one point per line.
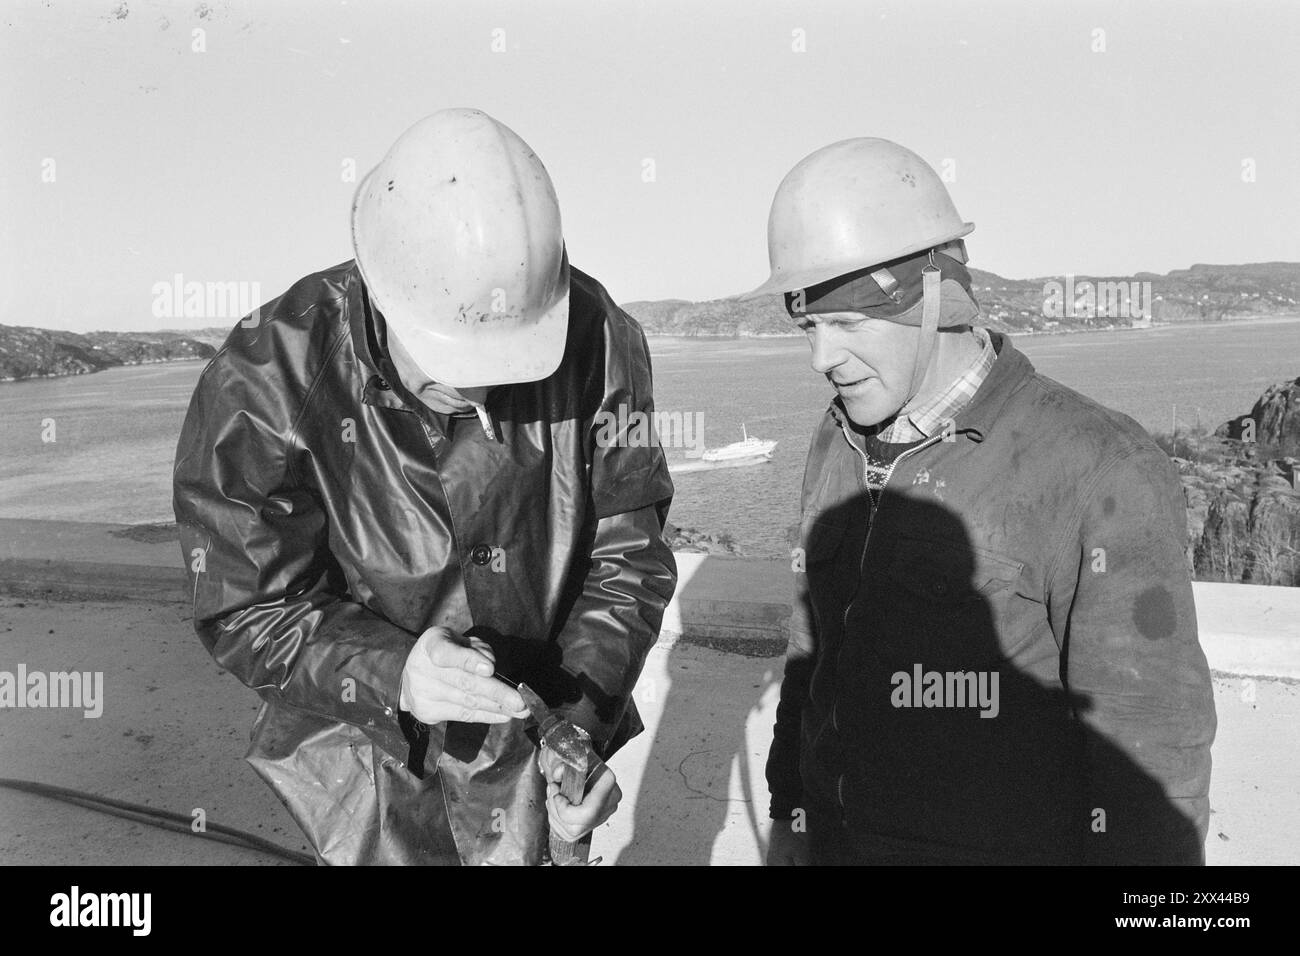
x=112 y=598
x=172 y=733
x=174 y=729
x=1249 y=628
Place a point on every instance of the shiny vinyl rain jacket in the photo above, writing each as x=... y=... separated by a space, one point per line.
x=328 y=518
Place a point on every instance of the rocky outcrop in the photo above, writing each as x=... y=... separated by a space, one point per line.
x=1250 y=533
x=1242 y=487
x=700 y=542
x=1273 y=424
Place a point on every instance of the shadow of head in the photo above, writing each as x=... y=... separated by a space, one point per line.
x=943 y=699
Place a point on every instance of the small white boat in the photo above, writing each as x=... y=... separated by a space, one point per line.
x=751 y=449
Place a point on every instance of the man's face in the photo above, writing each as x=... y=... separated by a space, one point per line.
x=441 y=398
x=867 y=360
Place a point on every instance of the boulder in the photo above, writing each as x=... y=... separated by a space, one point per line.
x=1220 y=553
x=1275 y=420
x=1250 y=533
x=700 y=542
x=1273 y=556
x=1277 y=417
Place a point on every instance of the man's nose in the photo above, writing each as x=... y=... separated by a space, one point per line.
x=826 y=350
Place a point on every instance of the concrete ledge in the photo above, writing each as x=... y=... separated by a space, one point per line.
x=93 y=581
x=734 y=604
x=24 y=539
x=91 y=560
x=1245 y=629
x=1249 y=629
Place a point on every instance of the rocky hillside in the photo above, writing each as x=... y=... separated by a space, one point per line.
x=1242 y=486
x=43 y=353
x=1201 y=293
x=719 y=317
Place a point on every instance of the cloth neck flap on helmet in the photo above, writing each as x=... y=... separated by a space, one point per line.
x=882 y=291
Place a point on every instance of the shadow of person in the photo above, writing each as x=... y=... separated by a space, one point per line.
x=685 y=798
x=940 y=715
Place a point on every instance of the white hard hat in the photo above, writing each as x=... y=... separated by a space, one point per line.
x=853 y=204
x=457 y=236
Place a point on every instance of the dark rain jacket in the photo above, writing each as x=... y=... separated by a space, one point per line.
x=1042 y=542
x=328 y=518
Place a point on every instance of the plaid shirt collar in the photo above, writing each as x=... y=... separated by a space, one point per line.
x=934 y=415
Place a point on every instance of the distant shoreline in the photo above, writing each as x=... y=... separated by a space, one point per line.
x=96 y=371
x=1243 y=320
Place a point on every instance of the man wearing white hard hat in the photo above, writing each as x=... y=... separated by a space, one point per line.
x=993 y=653
x=399 y=499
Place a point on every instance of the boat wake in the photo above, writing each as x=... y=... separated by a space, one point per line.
x=686 y=467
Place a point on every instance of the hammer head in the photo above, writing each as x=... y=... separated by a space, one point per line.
x=570 y=742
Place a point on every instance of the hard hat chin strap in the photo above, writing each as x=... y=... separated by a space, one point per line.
x=930 y=305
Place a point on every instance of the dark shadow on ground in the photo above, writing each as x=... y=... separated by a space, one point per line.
x=924 y=784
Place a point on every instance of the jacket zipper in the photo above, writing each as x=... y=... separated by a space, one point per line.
x=877 y=503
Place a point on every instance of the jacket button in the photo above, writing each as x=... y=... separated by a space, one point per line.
x=481 y=554
x=940 y=587
x=382 y=384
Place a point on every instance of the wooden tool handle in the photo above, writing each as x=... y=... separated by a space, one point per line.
x=572 y=787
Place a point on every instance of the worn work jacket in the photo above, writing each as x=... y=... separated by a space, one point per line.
x=328 y=518
x=1001 y=664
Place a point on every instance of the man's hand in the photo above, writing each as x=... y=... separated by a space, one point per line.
x=448 y=677
x=573 y=821
x=786 y=847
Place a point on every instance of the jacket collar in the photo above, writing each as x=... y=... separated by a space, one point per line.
x=1010 y=373
x=977 y=419
x=380 y=384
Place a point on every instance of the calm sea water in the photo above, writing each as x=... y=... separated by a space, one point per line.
x=115 y=431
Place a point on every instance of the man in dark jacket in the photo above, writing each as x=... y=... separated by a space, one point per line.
x=399 y=496
x=993 y=654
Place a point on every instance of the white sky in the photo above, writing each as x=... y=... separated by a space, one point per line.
x=226 y=165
